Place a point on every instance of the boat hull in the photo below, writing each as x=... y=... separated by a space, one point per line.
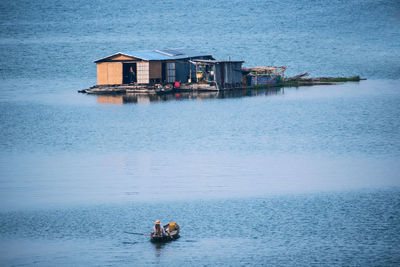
x=173 y=235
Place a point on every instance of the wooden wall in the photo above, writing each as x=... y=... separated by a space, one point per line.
x=155 y=70
x=109 y=73
x=102 y=77
x=121 y=57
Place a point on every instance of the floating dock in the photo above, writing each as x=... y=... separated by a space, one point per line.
x=173 y=70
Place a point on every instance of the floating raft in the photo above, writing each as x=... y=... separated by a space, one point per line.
x=257 y=82
x=147 y=89
x=124 y=89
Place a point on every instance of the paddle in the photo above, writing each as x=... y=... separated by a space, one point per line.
x=136 y=233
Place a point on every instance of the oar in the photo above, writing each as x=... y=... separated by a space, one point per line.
x=136 y=233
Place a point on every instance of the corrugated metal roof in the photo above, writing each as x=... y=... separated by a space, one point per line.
x=217 y=61
x=165 y=54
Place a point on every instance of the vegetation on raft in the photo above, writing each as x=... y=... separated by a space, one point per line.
x=264 y=86
x=340 y=79
x=306 y=82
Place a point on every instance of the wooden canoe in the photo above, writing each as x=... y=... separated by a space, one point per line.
x=164 y=90
x=172 y=235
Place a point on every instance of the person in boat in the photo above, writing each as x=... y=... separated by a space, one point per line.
x=158 y=229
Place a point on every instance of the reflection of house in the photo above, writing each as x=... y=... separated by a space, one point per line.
x=109 y=99
x=148 y=67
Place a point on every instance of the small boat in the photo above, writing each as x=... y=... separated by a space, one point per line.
x=160 y=90
x=172 y=235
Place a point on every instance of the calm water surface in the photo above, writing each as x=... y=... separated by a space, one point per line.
x=348 y=228
x=292 y=176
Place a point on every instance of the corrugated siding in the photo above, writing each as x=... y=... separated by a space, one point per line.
x=237 y=71
x=228 y=72
x=143 y=72
x=231 y=72
x=171 y=72
x=182 y=71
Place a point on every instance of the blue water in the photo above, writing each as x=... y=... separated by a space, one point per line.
x=62 y=39
x=290 y=176
x=346 y=228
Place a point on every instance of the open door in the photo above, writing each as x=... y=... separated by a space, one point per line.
x=163 y=72
x=222 y=75
x=129 y=73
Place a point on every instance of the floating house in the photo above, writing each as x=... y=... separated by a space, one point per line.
x=159 y=72
x=148 y=67
x=162 y=71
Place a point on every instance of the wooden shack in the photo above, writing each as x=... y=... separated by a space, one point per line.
x=225 y=74
x=147 y=67
x=263 y=75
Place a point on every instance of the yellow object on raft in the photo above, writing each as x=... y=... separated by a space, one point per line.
x=171 y=226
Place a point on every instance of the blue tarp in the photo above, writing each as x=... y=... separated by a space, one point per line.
x=264 y=79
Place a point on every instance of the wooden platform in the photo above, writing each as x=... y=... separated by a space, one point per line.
x=149 y=89
x=200 y=87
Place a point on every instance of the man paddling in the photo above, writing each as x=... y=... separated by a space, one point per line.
x=158 y=229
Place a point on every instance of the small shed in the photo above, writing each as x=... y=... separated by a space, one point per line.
x=225 y=73
x=147 y=67
x=263 y=75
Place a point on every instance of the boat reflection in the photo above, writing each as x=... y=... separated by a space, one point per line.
x=158 y=248
x=147 y=98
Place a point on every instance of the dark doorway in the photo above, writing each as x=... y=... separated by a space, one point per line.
x=163 y=72
x=222 y=76
x=129 y=73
